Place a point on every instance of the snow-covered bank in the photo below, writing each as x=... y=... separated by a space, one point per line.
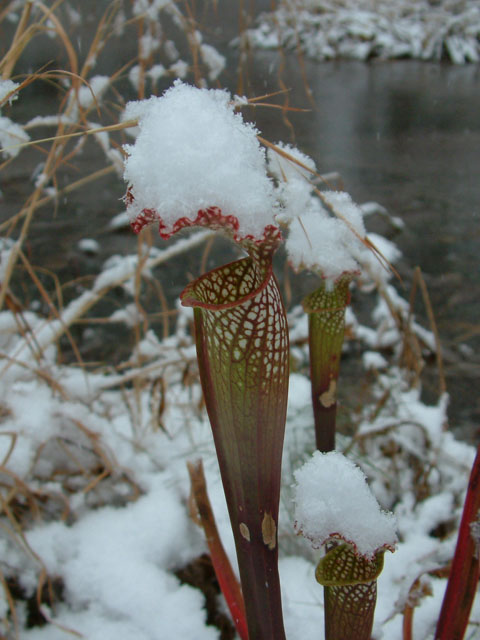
x=327 y=29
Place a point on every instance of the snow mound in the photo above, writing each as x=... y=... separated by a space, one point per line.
x=193 y=152
x=333 y=500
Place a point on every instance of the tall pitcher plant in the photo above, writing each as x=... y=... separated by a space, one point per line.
x=240 y=323
x=242 y=349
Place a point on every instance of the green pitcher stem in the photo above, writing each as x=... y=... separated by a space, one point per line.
x=326 y=324
x=242 y=348
x=350 y=592
x=349 y=611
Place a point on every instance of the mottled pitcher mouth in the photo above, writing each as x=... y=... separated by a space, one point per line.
x=227 y=286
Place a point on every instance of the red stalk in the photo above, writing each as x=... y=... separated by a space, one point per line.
x=242 y=349
x=221 y=564
x=465 y=571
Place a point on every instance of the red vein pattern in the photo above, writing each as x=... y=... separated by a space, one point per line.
x=242 y=348
x=350 y=592
x=212 y=218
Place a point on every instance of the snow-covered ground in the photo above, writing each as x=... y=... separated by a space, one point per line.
x=98 y=492
x=327 y=29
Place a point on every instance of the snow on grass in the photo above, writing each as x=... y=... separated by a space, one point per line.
x=11 y=133
x=325 y=229
x=328 y=244
x=116 y=553
x=89 y=246
x=333 y=501
x=125 y=533
x=294 y=190
x=11 y=136
x=7 y=90
x=93 y=463
x=114 y=564
x=194 y=152
x=88 y=95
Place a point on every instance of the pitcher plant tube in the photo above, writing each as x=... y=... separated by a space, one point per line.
x=240 y=323
x=325 y=236
x=326 y=329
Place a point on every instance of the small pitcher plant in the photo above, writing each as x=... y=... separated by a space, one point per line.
x=346 y=520
x=325 y=236
x=326 y=329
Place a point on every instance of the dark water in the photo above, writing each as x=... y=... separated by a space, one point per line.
x=405 y=134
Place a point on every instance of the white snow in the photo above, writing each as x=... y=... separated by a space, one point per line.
x=332 y=499
x=344 y=208
x=194 y=152
x=149 y=9
x=294 y=189
x=112 y=550
x=89 y=245
x=374 y=360
x=7 y=87
x=214 y=60
x=321 y=243
x=179 y=69
x=93 y=459
x=328 y=243
x=11 y=135
x=117 y=552
x=87 y=95
x=325 y=228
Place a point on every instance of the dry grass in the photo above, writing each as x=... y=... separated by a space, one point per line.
x=77 y=462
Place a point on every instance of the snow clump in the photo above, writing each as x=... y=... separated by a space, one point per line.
x=329 y=245
x=326 y=229
x=333 y=500
x=193 y=152
x=12 y=135
x=6 y=89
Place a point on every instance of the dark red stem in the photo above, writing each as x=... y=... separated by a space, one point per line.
x=465 y=571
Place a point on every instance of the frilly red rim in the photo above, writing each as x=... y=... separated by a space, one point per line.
x=211 y=217
x=316 y=544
